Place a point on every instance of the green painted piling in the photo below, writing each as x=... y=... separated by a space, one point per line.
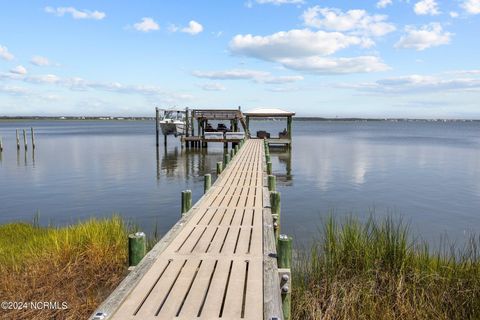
x=284 y=260
x=275 y=207
x=232 y=153
x=236 y=148
x=267 y=158
x=226 y=159
x=219 y=167
x=269 y=167
x=186 y=201
x=1 y=144
x=207 y=182
x=272 y=183
x=137 y=248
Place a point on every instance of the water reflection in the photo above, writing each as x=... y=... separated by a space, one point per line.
x=283 y=168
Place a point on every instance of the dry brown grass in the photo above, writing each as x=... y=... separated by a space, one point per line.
x=79 y=265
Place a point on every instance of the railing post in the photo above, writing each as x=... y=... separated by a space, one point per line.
x=207 y=182
x=219 y=167
x=137 y=248
x=284 y=250
x=186 y=201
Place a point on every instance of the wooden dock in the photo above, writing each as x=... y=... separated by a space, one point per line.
x=218 y=262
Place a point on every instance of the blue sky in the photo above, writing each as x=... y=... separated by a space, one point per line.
x=380 y=58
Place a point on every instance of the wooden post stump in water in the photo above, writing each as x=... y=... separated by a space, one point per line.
x=219 y=167
x=186 y=201
x=232 y=153
x=207 y=182
x=269 y=168
x=267 y=158
x=25 y=139
x=236 y=148
x=272 y=183
x=1 y=144
x=18 y=139
x=226 y=159
x=33 y=138
x=284 y=260
x=137 y=248
x=157 y=131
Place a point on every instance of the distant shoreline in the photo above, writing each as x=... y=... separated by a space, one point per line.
x=110 y=118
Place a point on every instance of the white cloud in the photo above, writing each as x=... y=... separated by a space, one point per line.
x=75 y=13
x=245 y=74
x=418 y=84
x=453 y=14
x=427 y=36
x=322 y=65
x=43 y=79
x=40 y=61
x=279 y=2
x=293 y=43
x=357 y=22
x=5 y=54
x=19 y=70
x=426 y=7
x=14 y=90
x=146 y=25
x=383 y=3
x=193 y=28
x=471 y=6
x=213 y=87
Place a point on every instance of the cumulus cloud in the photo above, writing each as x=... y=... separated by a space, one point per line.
x=5 y=54
x=306 y=50
x=383 y=3
x=214 y=86
x=426 y=7
x=75 y=13
x=14 y=90
x=430 y=35
x=40 y=61
x=19 y=70
x=146 y=25
x=193 y=28
x=471 y=6
x=358 y=22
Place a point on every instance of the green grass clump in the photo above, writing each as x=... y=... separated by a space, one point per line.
x=376 y=271
x=79 y=264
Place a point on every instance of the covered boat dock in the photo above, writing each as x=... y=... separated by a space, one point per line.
x=284 y=137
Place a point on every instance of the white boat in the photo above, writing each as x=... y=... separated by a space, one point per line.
x=172 y=122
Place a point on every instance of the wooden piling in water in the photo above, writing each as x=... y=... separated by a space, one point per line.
x=219 y=167
x=1 y=144
x=137 y=248
x=33 y=138
x=232 y=153
x=269 y=167
x=157 y=129
x=207 y=182
x=18 y=139
x=25 y=139
x=186 y=201
x=226 y=159
x=284 y=260
x=272 y=183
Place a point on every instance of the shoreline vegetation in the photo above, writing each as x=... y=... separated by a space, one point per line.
x=354 y=270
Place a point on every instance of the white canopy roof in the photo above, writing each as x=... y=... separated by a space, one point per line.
x=268 y=112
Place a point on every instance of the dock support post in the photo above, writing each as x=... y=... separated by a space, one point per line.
x=232 y=153
x=267 y=158
x=18 y=139
x=226 y=159
x=272 y=183
x=269 y=167
x=284 y=264
x=157 y=131
x=186 y=201
x=219 y=167
x=207 y=182
x=275 y=207
x=137 y=248
x=1 y=144
x=25 y=139
x=236 y=148
x=33 y=138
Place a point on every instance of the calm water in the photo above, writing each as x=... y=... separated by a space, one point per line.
x=427 y=173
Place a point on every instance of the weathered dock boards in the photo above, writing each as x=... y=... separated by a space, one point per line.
x=211 y=264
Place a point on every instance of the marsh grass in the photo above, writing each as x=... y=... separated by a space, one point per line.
x=374 y=270
x=79 y=264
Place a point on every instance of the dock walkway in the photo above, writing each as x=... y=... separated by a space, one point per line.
x=217 y=262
